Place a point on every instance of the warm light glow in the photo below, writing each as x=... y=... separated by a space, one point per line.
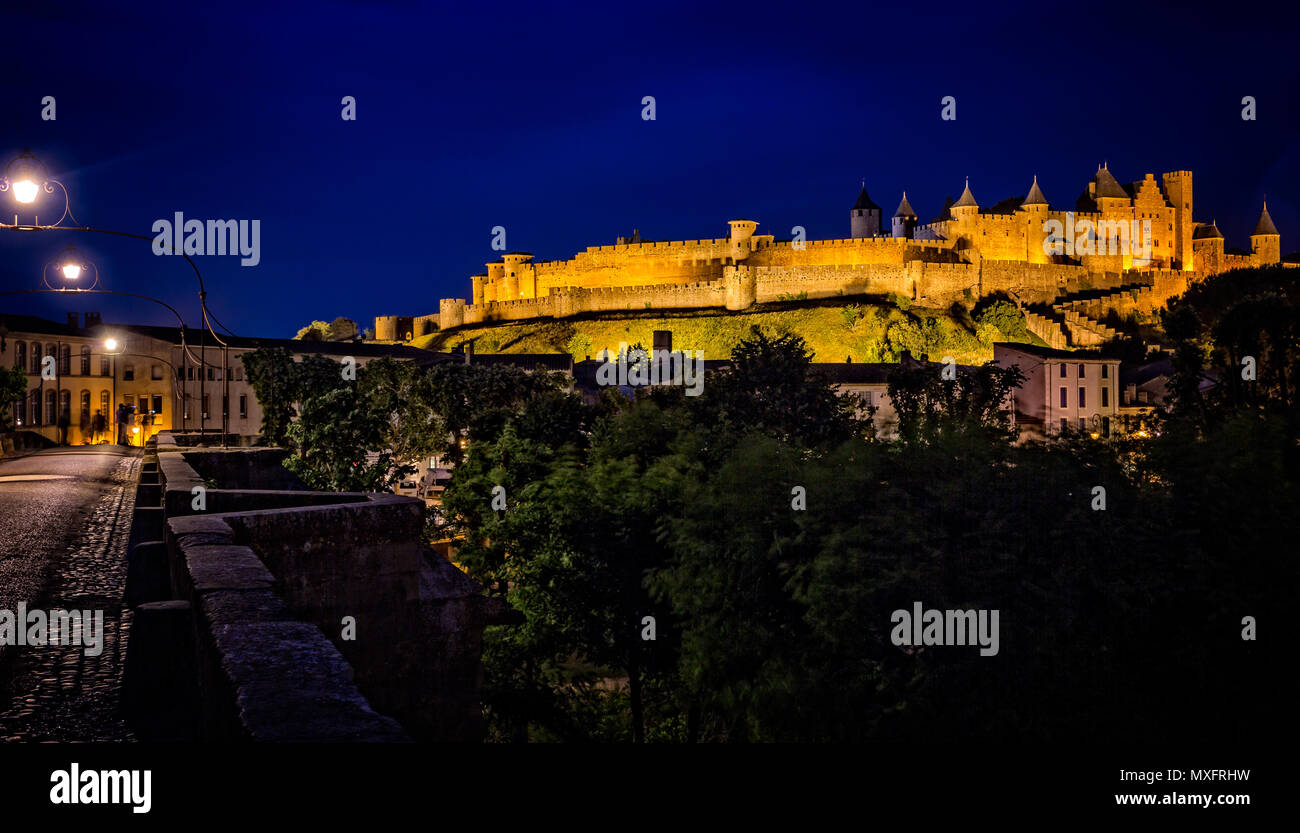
x=135 y=429
x=25 y=190
x=110 y=344
x=1095 y=435
x=72 y=271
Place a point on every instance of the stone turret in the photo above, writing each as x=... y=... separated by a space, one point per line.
x=1207 y=247
x=451 y=312
x=864 y=218
x=965 y=206
x=904 y=220
x=1265 y=242
x=742 y=238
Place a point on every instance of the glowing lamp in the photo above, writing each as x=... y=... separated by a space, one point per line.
x=25 y=190
x=110 y=344
x=135 y=429
x=72 y=271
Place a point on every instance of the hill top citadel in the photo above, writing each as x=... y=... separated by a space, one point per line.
x=1124 y=247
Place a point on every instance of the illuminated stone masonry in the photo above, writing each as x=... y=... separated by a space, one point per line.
x=1124 y=248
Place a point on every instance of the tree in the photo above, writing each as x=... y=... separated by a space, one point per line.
x=13 y=387
x=273 y=375
x=338 y=445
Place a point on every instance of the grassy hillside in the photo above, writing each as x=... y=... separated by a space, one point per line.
x=867 y=331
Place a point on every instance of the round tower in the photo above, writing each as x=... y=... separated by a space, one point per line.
x=864 y=218
x=1036 y=209
x=742 y=233
x=1265 y=242
x=904 y=221
x=966 y=206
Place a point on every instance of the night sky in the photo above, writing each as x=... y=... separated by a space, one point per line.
x=475 y=115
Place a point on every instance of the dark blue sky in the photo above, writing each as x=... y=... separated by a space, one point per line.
x=528 y=116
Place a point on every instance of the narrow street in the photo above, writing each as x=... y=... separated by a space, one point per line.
x=65 y=516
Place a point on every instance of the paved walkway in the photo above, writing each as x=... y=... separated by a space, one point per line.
x=57 y=693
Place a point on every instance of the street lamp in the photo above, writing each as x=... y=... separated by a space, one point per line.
x=25 y=176
x=71 y=265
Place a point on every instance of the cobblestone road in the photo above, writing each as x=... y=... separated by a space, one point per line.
x=58 y=693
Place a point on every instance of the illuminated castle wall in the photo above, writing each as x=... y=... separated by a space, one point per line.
x=965 y=253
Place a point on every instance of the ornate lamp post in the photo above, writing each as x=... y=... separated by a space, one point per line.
x=26 y=177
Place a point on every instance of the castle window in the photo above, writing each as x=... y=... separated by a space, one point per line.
x=1083 y=397
x=1105 y=371
x=1105 y=397
x=1065 y=393
x=1082 y=367
x=1062 y=370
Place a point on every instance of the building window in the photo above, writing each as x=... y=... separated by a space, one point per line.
x=1065 y=425
x=1083 y=397
x=156 y=372
x=1083 y=424
x=85 y=409
x=1081 y=370
x=190 y=372
x=211 y=372
x=1062 y=370
x=20 y=356
x=243 y=406
x=1064 y=395
x=128 y=372
x=85 y=360
x=1105 y=371
x=35 y=417
x=36 y=357
x=103 y=366
x=156 y=407
x=103 y=403
x=65 y=406
x=1105 y=397
x=1105 y=426
x=129 y=401
x=65 y=360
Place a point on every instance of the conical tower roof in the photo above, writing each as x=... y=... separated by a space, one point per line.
x=1035 y=195
x=1265 y=224
x=864 y=201
x=905 y=208
x=1106 y=184
x=967 y=198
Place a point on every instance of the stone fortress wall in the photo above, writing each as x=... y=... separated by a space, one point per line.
x=965 y=254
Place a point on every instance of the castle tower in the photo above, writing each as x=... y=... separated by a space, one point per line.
x=966 y=206
x=1265 y=242
x=904 y=221
x=478 y=282
x=1108 y=195
x=742 y=235
x=864 y=219
x=1178 y=190
x=520 y=277
x=1207 y=248
x=1036 y=208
